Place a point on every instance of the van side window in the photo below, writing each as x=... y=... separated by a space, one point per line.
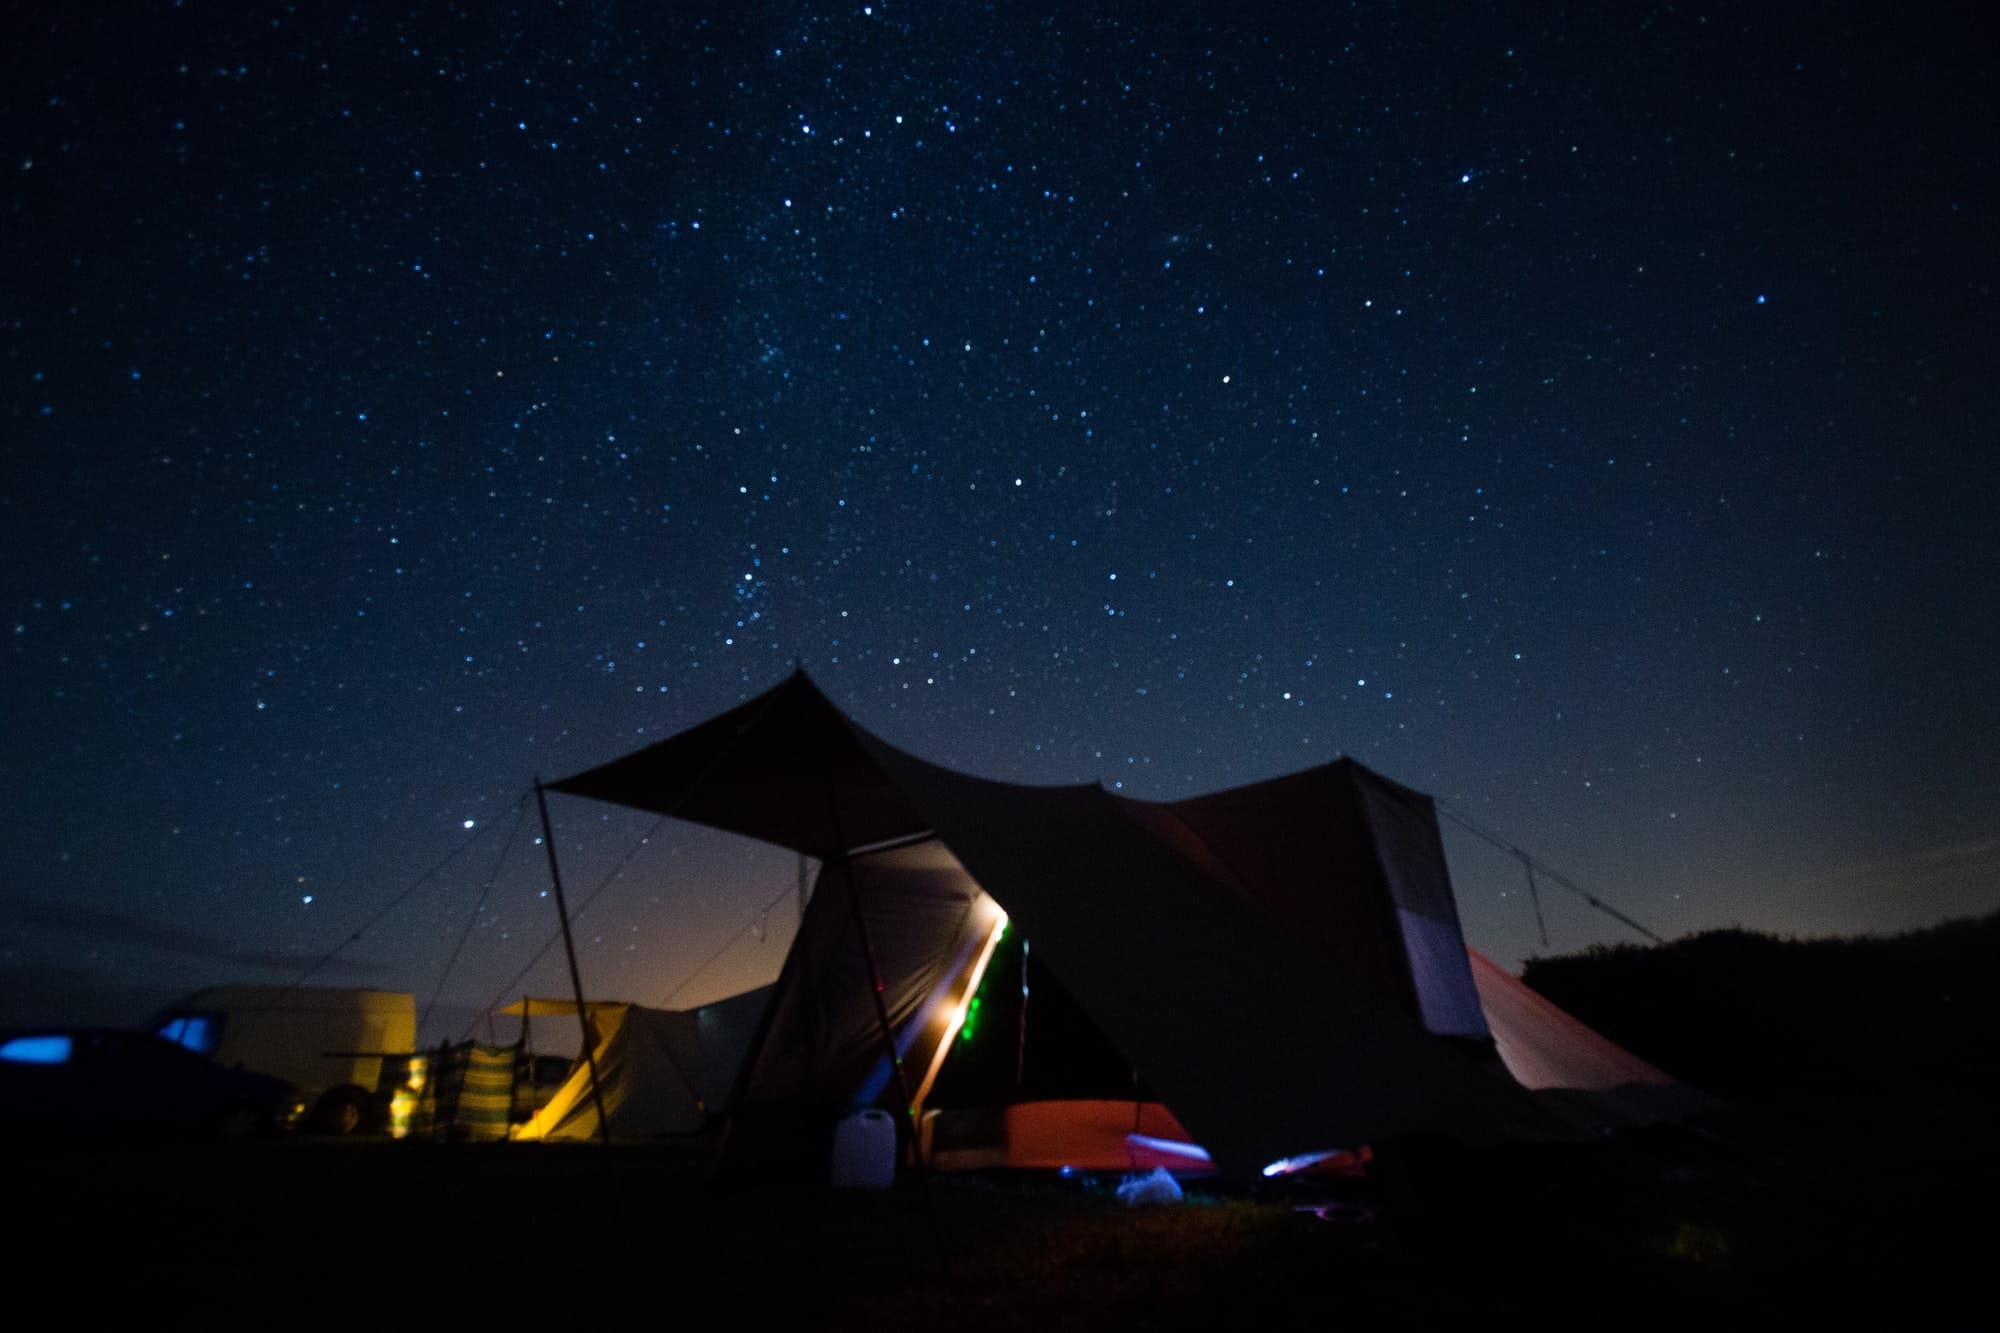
x=200 y=1033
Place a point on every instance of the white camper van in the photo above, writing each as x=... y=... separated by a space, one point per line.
x=327 y=1041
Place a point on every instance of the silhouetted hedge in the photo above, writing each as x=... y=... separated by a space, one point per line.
x=1753 y=1017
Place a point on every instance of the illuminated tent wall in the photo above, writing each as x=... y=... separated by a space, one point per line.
x=1580 y=1074
x=661 y=1071
x=928 y=923
x=1280 y=960
x=648 y=1067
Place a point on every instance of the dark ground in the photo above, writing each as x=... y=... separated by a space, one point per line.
x=1807 y=1220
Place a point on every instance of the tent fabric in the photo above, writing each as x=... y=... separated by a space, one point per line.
x=1255 y=831
x=1096 y=1134
x=473 y=1088
x=786 y=768
x=1586 y=1077
x=924 y=918
x=647 y=1069
x=1275 y=960
x=1082 y=1134
x=663 y=1071
x=728 y=1029
x=1410 y=851
x=1367 y=885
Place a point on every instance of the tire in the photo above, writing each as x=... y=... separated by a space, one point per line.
x=340 y=1113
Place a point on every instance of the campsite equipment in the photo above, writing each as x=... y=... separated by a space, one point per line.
x=1156 y=1186
x=864 y=1150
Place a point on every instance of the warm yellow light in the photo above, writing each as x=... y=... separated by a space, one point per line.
x=958 y=1012
x=401 y=1104
x=997 y=916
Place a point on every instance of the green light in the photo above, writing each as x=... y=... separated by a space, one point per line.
x=970 y=1023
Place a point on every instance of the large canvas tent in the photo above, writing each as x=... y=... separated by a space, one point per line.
x=1282 y=961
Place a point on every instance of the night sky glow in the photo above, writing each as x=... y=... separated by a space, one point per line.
x=1582 y=416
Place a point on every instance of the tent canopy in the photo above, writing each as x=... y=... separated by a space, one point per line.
x=1196 y=934
x=785 y=768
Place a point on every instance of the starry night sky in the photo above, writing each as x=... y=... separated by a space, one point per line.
x=1585 y=417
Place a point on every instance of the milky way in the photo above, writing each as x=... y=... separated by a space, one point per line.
x=1578 y=416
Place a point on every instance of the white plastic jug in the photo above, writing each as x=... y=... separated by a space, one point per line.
x=864 y=1151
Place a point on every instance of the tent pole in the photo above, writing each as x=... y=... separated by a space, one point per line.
x=575 y=977
x=875 y=984
x=1021 y=1029
x=524 y=1049
x=1541 y=926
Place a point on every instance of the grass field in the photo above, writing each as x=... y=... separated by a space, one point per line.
x=372 y=1234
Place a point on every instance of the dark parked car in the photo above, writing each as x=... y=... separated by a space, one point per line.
x=83 y=1081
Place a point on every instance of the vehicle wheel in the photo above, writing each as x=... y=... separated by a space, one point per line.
x=340 y=1113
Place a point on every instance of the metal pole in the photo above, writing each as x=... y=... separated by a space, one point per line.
x=1564 y=880
x=1021 y=1027
x=1541 y=926
x=575 y=977
x=875 y=985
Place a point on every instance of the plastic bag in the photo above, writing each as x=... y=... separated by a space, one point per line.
x=1157 y=1187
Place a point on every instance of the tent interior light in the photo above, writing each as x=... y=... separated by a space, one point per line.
x=965 y=1012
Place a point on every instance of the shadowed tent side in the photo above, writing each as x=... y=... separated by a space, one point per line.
x=1261 y=1050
